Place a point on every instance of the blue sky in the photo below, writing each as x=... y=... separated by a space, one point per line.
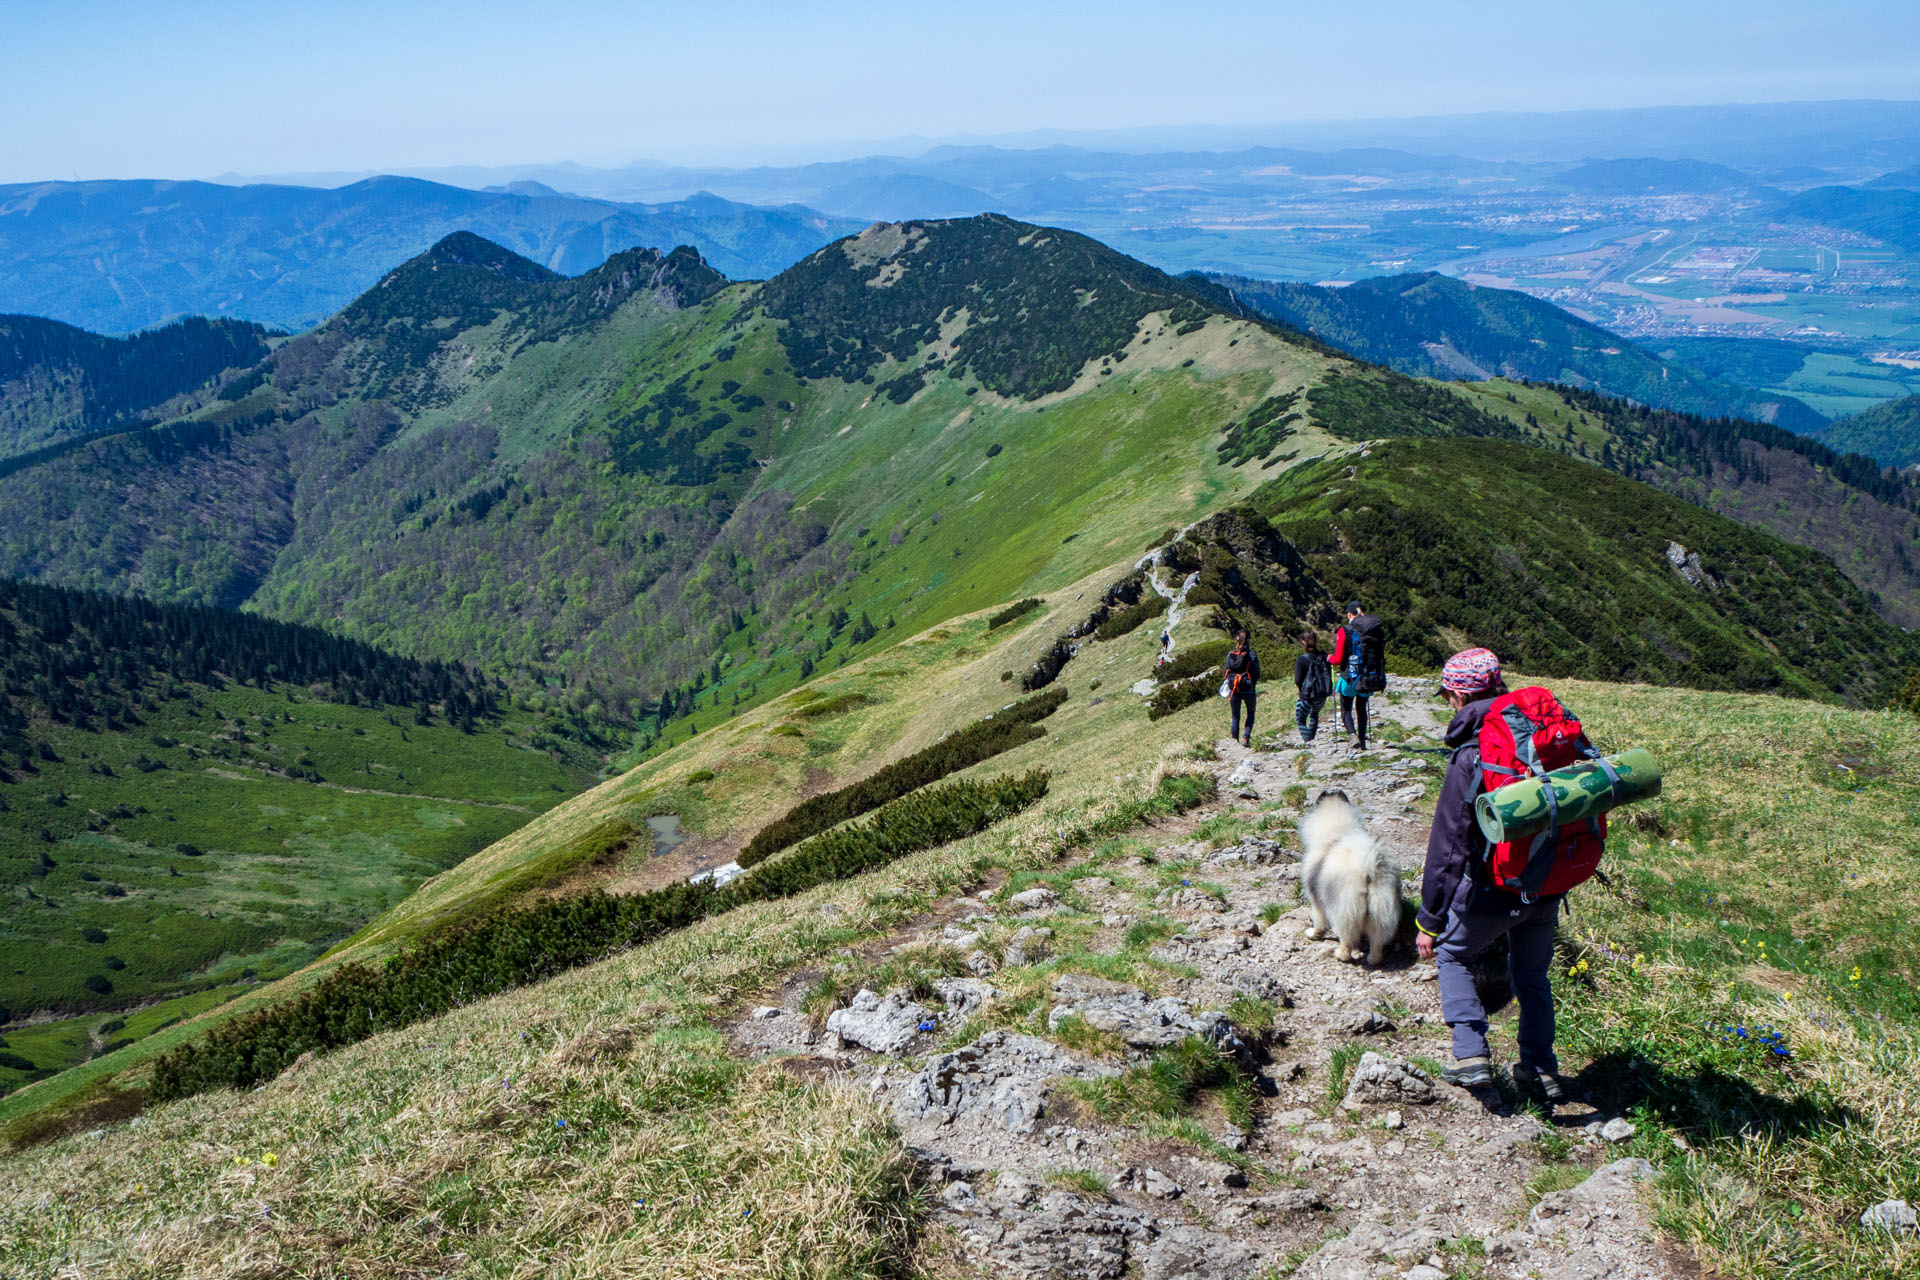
x=185 y=89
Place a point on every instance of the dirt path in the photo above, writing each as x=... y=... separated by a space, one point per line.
x=1001 y=1029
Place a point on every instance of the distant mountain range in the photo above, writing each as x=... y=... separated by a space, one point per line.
x=120 y=256
x=1435 y=326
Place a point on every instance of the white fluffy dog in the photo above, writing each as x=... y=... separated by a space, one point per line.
x=1350 y=884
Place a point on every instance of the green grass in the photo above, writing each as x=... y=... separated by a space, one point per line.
x=1170 y=1084
x=216 y=866
x=1339 y=1072
x=1746 y=900
x=1738 y=765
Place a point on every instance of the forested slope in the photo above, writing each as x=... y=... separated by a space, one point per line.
x=58 y=382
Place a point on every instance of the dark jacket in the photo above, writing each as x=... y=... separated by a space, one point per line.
x=1253 y=664
x=1455 y=845
x=1304 y=664
x=1456 y=851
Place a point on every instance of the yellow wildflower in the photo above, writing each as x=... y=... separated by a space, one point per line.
x=1855 y=975
x=270 y=1160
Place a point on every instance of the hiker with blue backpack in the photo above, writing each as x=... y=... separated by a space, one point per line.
x=1474 y=893
x=1360 y=656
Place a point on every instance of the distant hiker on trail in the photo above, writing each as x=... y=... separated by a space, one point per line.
x=1243 y=676
x=1313 y=681
x=1360 y=656
x=1464 y=908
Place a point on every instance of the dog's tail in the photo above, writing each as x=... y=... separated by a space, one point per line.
x=1383 y=902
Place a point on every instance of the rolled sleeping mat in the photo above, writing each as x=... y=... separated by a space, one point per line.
x=1566 y=796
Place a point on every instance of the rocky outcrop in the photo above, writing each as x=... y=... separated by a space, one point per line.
x=1000 y=1079
x=884 y=1024
x=1140 y=1021
x=1382 y=1081
x=1687 y=564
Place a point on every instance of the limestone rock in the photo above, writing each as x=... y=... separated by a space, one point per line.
x=1141 y=1022
x=1150 y=1182
x=884 y=1024
x=1896 y=1216
x=1590 y=1200
x=1038 y=898
x=1365 y=1022
x=1028 y=946
x=1618 y=1129
x=719 y=876
x=1384 y=1081
x=1189 y=1253
x=1190 y=899
x=966 y=996
x=1000 y=1079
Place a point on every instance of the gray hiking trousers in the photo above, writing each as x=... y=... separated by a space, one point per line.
x=1529 y=932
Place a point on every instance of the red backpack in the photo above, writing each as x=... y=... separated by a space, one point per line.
x=1526 y=733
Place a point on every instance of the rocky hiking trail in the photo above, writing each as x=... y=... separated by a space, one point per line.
x=1030 y=1042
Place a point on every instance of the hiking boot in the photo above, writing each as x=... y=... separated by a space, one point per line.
x=1247 y=742
x=1470 y=1073
x=1544 y=1085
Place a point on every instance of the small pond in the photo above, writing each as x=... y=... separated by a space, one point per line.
x=667 y=835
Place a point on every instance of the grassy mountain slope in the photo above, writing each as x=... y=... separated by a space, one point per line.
x=58 y=382
x=1889 y=433
x=291 y=256
x=1794 y=487
x=1565 y=570
x=190 y=800
x=1431 y=325
x=656 y=497
x=670 y=1140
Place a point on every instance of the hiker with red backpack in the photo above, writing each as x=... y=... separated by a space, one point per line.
x=1472 y=893
x=1360 y=656
x=1243 y=679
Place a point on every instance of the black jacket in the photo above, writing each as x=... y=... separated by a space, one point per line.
x=1253 y=664
x=1304 y=665
x=1455 y=844
x=1456 y=851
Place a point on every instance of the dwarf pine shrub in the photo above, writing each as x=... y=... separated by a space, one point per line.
x=1176 y=695
x=1130 y=618
x=969 y=746
x=1195 y=660
x=1018 y=609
